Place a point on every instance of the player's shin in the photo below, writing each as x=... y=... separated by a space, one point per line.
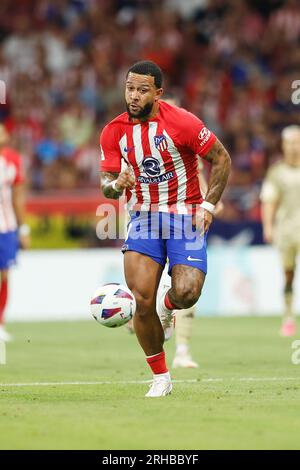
x=149 y=331
x=288 y=301
x=184 y=326
x=288 y=327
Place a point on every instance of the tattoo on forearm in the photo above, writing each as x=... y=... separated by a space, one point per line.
x=108 y=191
x=220 y=169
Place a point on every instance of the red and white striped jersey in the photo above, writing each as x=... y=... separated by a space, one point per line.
x=10 y=175
x=162 y=153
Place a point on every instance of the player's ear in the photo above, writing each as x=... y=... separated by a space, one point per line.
x=159 y=93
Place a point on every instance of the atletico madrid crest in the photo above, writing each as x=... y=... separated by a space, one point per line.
x=161 y=142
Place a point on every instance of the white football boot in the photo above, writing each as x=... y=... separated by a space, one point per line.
x=166 y=316
x=184 y=361
x=161 y=386
x=183 y=357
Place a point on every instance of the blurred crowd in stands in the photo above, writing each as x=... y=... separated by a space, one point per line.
x=230 y=62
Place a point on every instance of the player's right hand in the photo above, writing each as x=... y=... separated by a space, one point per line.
x=126 y=180
x=25 y=241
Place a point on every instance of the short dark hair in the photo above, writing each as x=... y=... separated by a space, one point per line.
x=146 y=67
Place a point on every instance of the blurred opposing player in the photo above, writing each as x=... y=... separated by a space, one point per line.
x=12 y=227
x=161 y=142
x=280 y=198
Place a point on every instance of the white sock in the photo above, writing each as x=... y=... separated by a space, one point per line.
x=182 y=349
x=166 y=376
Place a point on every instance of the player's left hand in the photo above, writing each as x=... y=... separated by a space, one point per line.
x=208 y=218
x=202 y=220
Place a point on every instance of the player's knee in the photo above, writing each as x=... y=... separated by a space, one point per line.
x=189 y=300
x=144 y=304
x=186 y=296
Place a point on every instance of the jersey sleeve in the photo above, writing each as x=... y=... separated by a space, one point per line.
x=197 y=137
x=19 y=176
x=270 y=191
x=110 y=155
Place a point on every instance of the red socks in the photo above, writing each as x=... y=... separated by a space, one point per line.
x=157 y=363
x=169 y=304
x=3 y=298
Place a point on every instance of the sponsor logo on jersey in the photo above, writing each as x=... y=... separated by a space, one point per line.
x=151 y=166
x=157 y=179
x=160 y=142
x=204 y=136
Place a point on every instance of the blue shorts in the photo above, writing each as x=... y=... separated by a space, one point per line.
x=9 y=244
x=162 y=235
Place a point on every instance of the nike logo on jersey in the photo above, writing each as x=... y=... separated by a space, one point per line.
x=128 y=149
x=189 y=258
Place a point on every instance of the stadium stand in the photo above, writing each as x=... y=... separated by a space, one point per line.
x=232 y=63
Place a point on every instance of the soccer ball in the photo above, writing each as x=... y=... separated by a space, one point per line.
x=113 y=305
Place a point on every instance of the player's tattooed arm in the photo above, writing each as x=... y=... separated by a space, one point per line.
x=220 y=169
x=113 y=184
x=106 y=185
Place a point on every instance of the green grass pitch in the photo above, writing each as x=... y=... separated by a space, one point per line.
x=245 y=395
